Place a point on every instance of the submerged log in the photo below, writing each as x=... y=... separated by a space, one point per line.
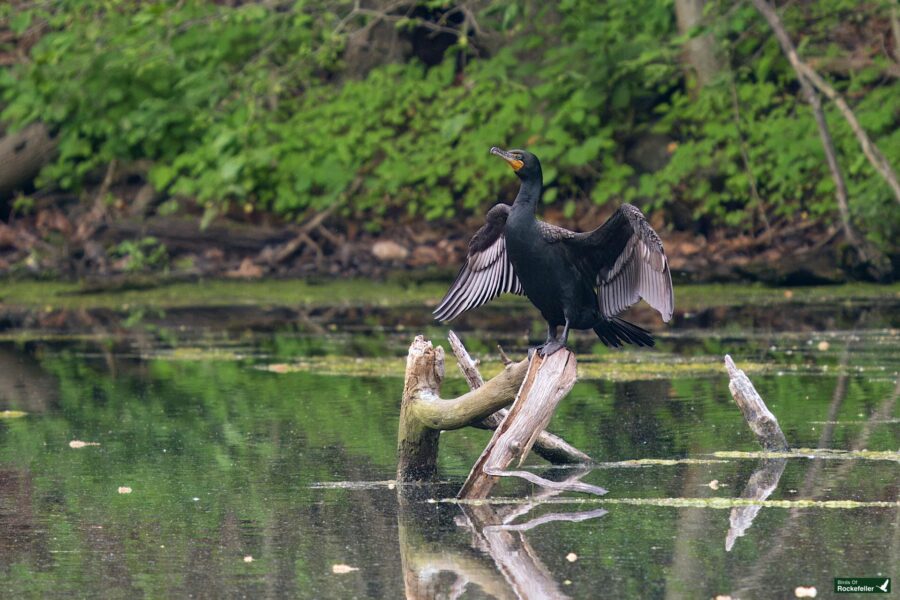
x=547 y=382
x=760 y=419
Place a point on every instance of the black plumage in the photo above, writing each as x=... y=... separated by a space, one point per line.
x=576 y=280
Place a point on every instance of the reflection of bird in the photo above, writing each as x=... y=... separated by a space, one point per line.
x=883 y=587
x=576 y=280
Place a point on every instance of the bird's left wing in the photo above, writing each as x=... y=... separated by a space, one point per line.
x=627 y=258
x=487 y=272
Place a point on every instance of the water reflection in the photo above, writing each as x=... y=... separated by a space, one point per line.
x=760 y=486
x=496 y=556
x=223 y=459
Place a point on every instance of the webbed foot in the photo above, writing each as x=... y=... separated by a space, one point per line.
x=550 y=347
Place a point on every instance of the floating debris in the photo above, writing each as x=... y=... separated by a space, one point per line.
x=12 y=414
x=353 y=485
x=248 y=559
x=805 y=592
x=343 y=569
x=124 y=489
x=571 y=557
x=79 y=444
x=714 y=484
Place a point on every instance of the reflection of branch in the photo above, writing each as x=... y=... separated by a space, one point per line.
x=560 y=486
x=422 y=557
x=760 y=486
x=571 y=517
x=809 y=489
x=515 y=558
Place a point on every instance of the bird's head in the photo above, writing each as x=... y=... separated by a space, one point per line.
x=524 y=163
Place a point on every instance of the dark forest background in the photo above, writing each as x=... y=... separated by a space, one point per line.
x=351 y=138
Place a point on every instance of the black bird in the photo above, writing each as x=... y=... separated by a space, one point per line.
x=576 y=280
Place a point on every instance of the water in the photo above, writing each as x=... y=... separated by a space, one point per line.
x=246 y=482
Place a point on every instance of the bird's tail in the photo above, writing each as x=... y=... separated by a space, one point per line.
x=615 y=331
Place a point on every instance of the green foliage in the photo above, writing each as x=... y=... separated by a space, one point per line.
x=146 y=254
x=255 y=106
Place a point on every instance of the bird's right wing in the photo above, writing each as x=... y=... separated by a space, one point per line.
x=487 y=272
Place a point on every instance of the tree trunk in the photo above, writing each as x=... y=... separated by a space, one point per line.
x=22 y=156
x=701 y=53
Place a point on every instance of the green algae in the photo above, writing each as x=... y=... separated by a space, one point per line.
x=714 y=503
x=823 y=453
x=630 y=366
x=12 y=414
x=46 y=295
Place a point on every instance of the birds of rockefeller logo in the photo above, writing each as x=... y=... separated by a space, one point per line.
x=862 y=585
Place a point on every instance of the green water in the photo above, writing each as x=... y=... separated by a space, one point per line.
x=250 y=482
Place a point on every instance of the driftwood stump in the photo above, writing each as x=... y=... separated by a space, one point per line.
x=769 y=435
x=760 y=419
x=550 y=447
x=424 y=414
x=547 y=382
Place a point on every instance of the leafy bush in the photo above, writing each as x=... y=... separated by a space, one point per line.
x=254 y=106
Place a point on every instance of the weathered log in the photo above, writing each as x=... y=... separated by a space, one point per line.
x=760 y=419
x=424 y=414
x=22 y=156
x=186 y=235
x=546 y=383
x=548 y=446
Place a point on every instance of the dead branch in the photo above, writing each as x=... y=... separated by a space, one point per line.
x=758 y=416
x=809 y=92
x=550 y=447
x=873 y=154
x=895 y=30
x=274 y=256
x=424 y=414
x=546 y=384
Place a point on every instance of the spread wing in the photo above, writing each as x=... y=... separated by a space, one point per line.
x=629 y=262
x=487 y=272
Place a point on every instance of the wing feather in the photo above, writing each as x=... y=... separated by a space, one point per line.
x=487 y=272
x=627 y=258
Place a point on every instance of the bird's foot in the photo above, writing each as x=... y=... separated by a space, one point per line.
x=549 y=347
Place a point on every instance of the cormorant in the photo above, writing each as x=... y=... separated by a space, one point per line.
x=576 y=280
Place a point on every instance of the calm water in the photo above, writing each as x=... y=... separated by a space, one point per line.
x=251 y=483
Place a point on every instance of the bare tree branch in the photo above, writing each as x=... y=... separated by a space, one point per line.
x=766 y=10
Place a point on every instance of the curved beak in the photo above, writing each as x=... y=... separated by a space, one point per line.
x=515 y=163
